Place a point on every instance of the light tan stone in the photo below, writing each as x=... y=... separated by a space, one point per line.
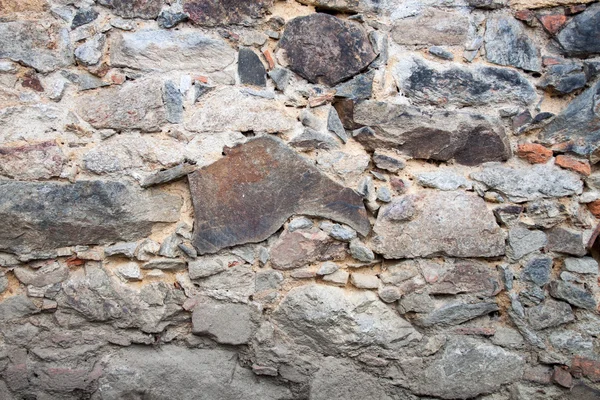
x=531 y=4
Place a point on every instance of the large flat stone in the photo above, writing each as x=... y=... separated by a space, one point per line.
x=326 y=49
x=577 y=127
x=43 y=216
x=239 y=12
x=508 y=43
x=146 y=9
x=429 y=223
x=30 y=122
x=166 y=50
x=469 y=139
x=432 y=27
x=579 y=37
x=248 y=195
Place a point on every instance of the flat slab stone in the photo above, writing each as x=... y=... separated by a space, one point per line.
x=432 y=27
x=247 y=196
x=326 y=49
x=146 y=9
x=87 y=212
x=579 y=37
x=239 y=12
x=430 y=223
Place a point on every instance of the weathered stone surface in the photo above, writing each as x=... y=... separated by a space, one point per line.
x=311 y=43
x=585 y=265
x=467 y=277
x=249 y=194
x=529 y=183
x=549 y=314
x=577 y=127
x=229 y=109
x=29 y=42
x=241 y=12
x=443 y=180
x=29 y=122
x=432 y=27
x=466 y=369
x=328 y=268
x=146 y=9
x=533 y=4
x=364 y=281
x=455 y=314
x=226 y=323
x=433 y=83
x=507 y=43
x=431 y=223
x=237 y=283
x=90 y=52
x=170 y=18
x=359 y=87
x=299 y=248
x=86 y=212
x=134 y=371
x=48 y=273
x=310 y=139
x=135 y=105
x=167 y=175
x=336 y=321
x=173 y=100
x=16 y=307
x=573 y=294
x=30 y=161
x=250 y=69
x=164 y=50
x=83 y=16
x=470 y=139
x=564 y=240
x=537 y=270
x=563 y=78
x=580 y=35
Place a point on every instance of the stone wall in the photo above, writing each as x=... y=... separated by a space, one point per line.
x=311 y=199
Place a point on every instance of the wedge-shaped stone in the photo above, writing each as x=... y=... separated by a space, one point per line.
x=224 y=12
x=430 y=223
x=470 y=139
x=44 y=216
x=248 y=195
x=167 y=50
x=580 y=36
x=326 y=49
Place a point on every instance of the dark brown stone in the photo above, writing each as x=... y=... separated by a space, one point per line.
x=326 y=49
x=562 y=377
x=147 y=9
x=468 y=277
x=248 y=195
x=223 y=12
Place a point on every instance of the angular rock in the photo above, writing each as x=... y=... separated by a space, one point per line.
x=431 y=223
x=507 y=43
x=173 y=100
x=533 y=4
x=226 y=323
x=207 y=266
x=522 y=241
x=83 y=16
x=31 y=43
x=130 y=271
x=31 y=161
x=563 y=78
x=164 y=50
x=433 y=83
x=577 y=127
x=364 y=281
x=339 y=278
x=166 y=264
x=470 y=139
x=300 y=248
x=537 y=270
x=16 y=307
x=529 y=183
x=359 y=251
x=442 y=180
x=328 y=268
x=133 y=105
x=167 y=175
x=86 y=212
x=335 y=321
x=268 y=280
x=534 y=153
x=432 y=27
x=568 y=241
x=48 y=273
x=311 y=43
x=229 y=109
x=171 y=18
x=440 y=52
x=455 y=314
x=388 y=161
x=238 y=12
x=573 y=295
x=236 y=283
x=359 y=87
x=258 y=186
x=334 y=124
x=146 y=9
x=310 y=139
x=281 y=77
x=467 y=277
x=585 y=265
x=250 y=69
x=579 y=37
x=90 y=52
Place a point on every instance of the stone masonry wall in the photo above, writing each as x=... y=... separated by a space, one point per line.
x=310 y=199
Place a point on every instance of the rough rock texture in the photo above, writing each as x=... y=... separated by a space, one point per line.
x=508 y=43
x=211 y=13
x=433 y=27
x=147 y=9
x=577 y=37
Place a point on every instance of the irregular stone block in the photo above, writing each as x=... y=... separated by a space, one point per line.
x=470 y=139
x=146 y=9
x=568 y=241
x=529 y=183
x=239 y=12
x=523 y=241
x=83 y=16
x=533 y=4
x=168 y=50
x=30 y=43
x=312 y=42
x=248 y=195
x=468 y=277
x=432 y=27
x=507 y=43
x=250 y=69
x=226 y=323
x=47 y=273
x=443 y=180
x=16 y=307
x=31 y=161
x=86 y=212
x=455 y=314
x=300 y=248
x=586 y=265
x=549 y=314
x=432 y=223
x=573 y=295
x=537 y=270
x=31 y=122
x=579 y=37
x=563 y=78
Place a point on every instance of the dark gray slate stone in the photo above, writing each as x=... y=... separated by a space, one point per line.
x=577 y=128
x=281 y=77
x=250 y=69
x=146 y=9
x=538 y=270
x=572 y=294
x=249 y=194
x=83 y=16
x=440 y=52
x=312 y=42
x=580 y=36
x=173 y=100
x=225 y=12
x=549 y=314
x=507 y=43
x=359 y=87
x=334 y=124
x=563 y=78
x=469 y=139
x=455 y=314
x=86 y=212
x=568 y=241
x=169 y=19
x=310 y=139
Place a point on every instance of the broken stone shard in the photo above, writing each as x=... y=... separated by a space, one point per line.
x=86 y=212
x=580 y=36
x=507 y=43
x=249 y=194
x=326 y=49
x=250 y=69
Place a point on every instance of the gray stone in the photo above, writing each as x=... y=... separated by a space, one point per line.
x=488 y=4
x=250 y=69
x=537 y=270
x=310 y=139
x=546 y=213
x=466 y=276
x=432 y=27
x=470 y=139
x=359 y=87
x=549 y=314
x=3 y=282
x=170 y=246
x=170 y=18
x=281 y=77
x=522 y=241
x=47 y=273
x=384 y=194
x=585 y=265
x=86 y=212
x=416 y=302
x=299 y=248
x=311 y=42
x=168 y=264
x=146 y=9
x=268 y=280
x=359 y=251
x=564 y=240
x=440 y=52
x=455 y=314
x=124 y=249
x=389 y=294
x=507 y=43
x=236 y=283
x=442 y=180
x=90 y=52
x=573 y=295
x=507 y=337
x=364 y=281
x=210 y=265
x=45 y=48
x=334 y=124
x=529 y=182
x=339 y=277
x=173 y=100
x=332 y=320
x=299 y=223
x=134 y=371
x=342 y=233
x=238 y=12
x=579 y=36
x=388 y=161
x=430 y=223
x=32 y=161
x=571 y=341
x=16 y=307
x=563 y=78
x=327 y=268
x=165 y=50
x=168 y=175
x=256 y=190
x=577 y=127
x=226 y=323
x=83 y=16
x=130 y=271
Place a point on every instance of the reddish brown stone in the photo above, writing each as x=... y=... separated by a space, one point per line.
x=562 y=377
x=525 y=15
x=31 y=81
x=580 y=166
x=269 y=58
x=299 y=248
x=553 y=22
x=585 y=367
x=548 y=61
x=594 y=208
x=575 y=9
x=224 y=12
x=468 y=277
x=247 y=196
x=534 y=153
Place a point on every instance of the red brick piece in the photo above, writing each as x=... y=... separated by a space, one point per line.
x=580 y=166
x=553 y=22
x=534 y=153
x=594 y=208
